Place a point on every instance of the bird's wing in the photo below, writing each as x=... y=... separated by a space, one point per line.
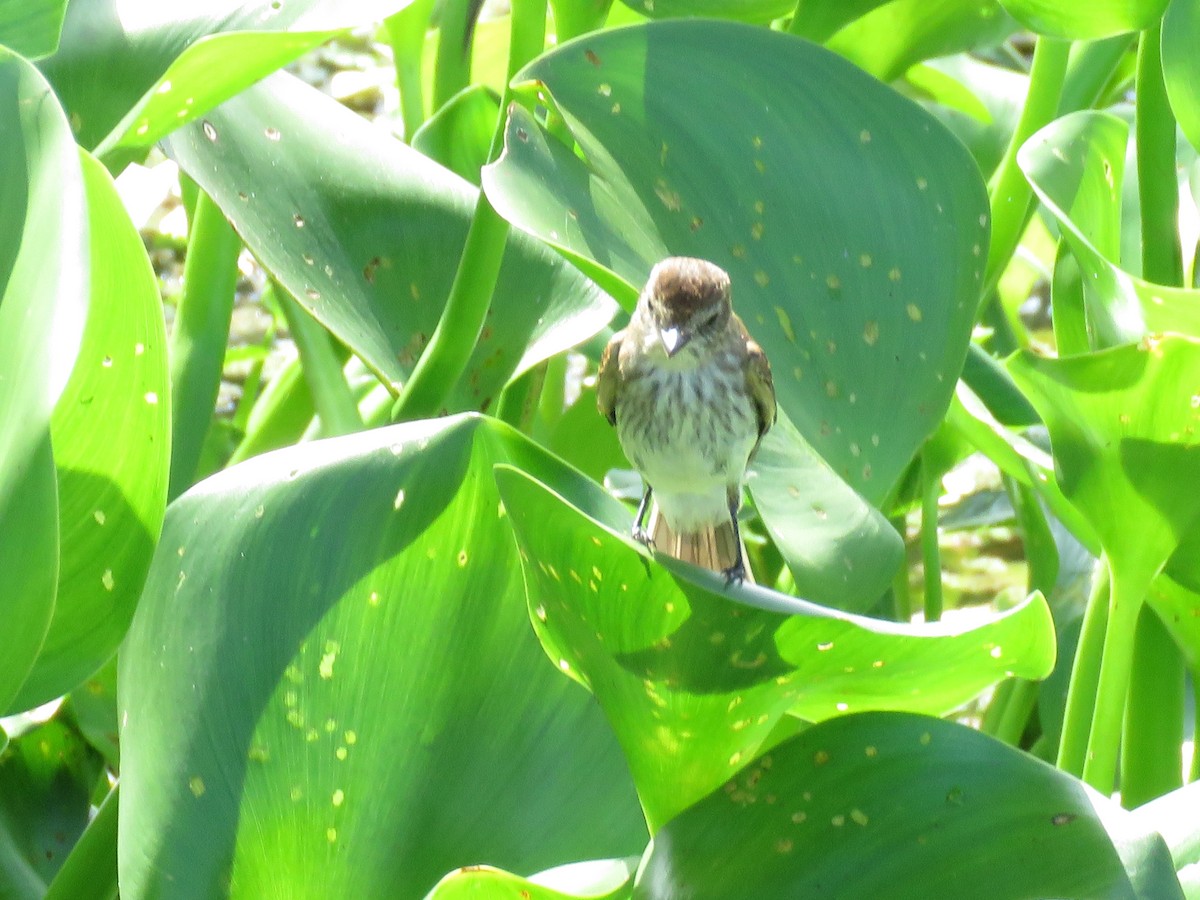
x=608 y=378
x=760 y=385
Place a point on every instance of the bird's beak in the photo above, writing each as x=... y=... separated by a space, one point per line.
x=673 y=340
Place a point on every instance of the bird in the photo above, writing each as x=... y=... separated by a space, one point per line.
x=691 y=396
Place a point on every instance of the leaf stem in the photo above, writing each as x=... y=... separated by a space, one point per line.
x=199 y=336
x=1112 y=687
x=449 y=349
x=322 y=369
x=1150 y=760
x=1085 y=673
x=1158 y=188
x=452 y=69
x=406 y=32
x=931 y=554
x=1010 y=193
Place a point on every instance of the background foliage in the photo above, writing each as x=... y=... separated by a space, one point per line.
x=375 y=626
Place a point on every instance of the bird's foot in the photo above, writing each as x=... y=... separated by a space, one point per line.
x=735 y=574
x=642 y=536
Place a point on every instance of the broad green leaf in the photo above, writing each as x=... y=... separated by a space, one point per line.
x=842 y=552
x=391 y=715
x=1076 y=21
x=111 y=438
x=897 y=35
x=745 y=10
x=131 y=73
x=694 y=681
x=31 y=27
x=1181 y=67
x=43 y=303
x=825 y=220
x=1075 y=166
x=817 y=20
x=365 y=233
x=1124 y=427
x=459 y=135
x=977 y=101
x=609 y=879
x=902 y=806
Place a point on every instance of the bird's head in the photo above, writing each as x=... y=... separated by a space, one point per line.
x=687 y=303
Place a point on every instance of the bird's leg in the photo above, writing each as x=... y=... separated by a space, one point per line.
x=736 y=573
x=639 y=532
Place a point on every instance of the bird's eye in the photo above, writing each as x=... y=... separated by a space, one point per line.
x=711 y=318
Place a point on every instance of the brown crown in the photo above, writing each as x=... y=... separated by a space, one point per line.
x=686 y=284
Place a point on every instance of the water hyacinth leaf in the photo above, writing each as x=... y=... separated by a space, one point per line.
x=1125 y=429
x=1074 y=165
x=1181 y=68
x=365 y=233
x=941 y=811
x=390 y=692
x=111 y=438
x=609 y=879
x=825 y=222
x=1073 y=21
x=694 y=680
x=841 y=550
x=129 y=74
x=43 y=304
x=743 y=10
x=459 y=135
x=31 y=27
x=890 y=39
x=817 y=20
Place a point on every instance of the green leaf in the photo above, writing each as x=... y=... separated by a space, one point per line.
x=129 y=76
x=609 y=879
x=459 y=135
x=111 y=438
x=43 y=296
x=365 y=233
x=940 y=811
x=392 y=716
x=1075 y=167
x=897 y=35
x=842 y=552
x=695 y=680
x=1124 y=428
x=745 y=10
x=1075 y=21
x=1181 y=68
x=825 y=221
x=31 y=27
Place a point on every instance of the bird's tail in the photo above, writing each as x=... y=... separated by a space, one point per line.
x=713 y=547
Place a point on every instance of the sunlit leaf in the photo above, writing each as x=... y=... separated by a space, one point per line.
x=43 y=303
x=31 y=27
x=694 y=681
x=1085 y=22
x=392 y=716
x=941 y=811
x=1181 y=66
x=130 y=73
x=111 y=438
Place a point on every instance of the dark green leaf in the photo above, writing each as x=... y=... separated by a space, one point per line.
x=366 y=234
x=826 y=221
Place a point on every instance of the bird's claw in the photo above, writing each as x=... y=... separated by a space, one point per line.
x=642 y=536
x=735 y=574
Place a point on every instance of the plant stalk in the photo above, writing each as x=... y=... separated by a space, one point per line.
x=200 y=336
x=1085 y=673
x=449 y=349
x=406 y=32
x=931 y=554
x=1150 y=760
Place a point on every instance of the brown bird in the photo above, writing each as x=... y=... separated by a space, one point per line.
x=691 y=396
